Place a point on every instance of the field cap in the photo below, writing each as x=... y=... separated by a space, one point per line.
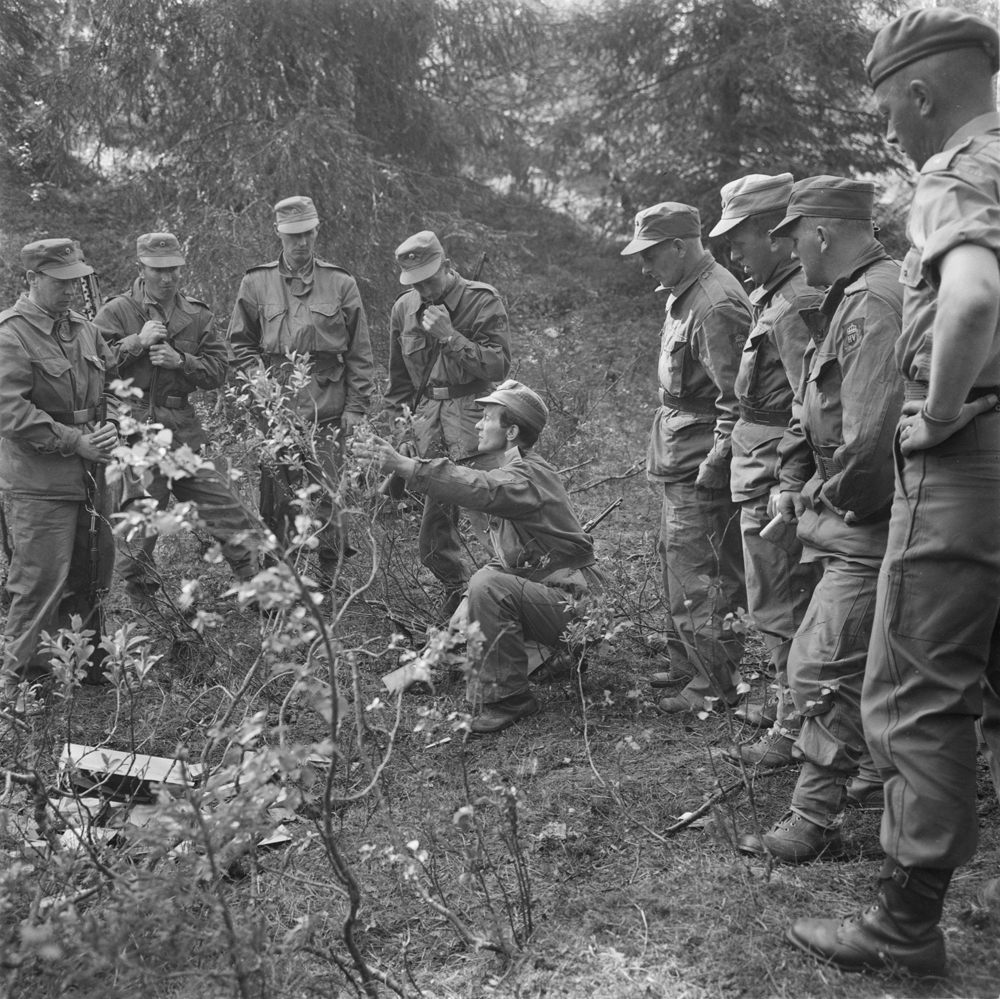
x=526 y=406
x=827 y=197
x=667 y=220
x=420 y=256
x=921 y=33
x=297 y=214
x=59 y=258
x=159 y=249
x=752 y=195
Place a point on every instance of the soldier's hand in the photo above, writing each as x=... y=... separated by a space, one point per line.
x=97 y=445
x=376 y=449
x=916 y=434
x=162 y=355
x=350 y=421
x=152 y=332
x=713 y=476
x=791 y=506
x=437 y=322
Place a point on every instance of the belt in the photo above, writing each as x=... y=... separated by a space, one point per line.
x=827 y=467
x=919 y=390
x=77 y=416
x=765 y=417
x=688 y=403
x=456 y=391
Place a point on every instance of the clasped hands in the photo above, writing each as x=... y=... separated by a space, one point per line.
x=98 y=444
x=152 y=336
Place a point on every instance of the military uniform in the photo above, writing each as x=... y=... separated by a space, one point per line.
x=707 y=319
x=166 y=399
x=317 y=311
x=445 y=416
x=939 y=601
x=55 y=372
x=838 y=453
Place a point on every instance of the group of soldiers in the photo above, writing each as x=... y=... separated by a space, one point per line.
x=828 y=448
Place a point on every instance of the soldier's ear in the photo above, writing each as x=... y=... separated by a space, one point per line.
x=823 y=234
x=922 y=97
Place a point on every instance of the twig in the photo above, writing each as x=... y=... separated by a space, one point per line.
x=631 y=473
x=699 y=812
x=573 y=468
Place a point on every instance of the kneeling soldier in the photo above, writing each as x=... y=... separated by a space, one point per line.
x=544 y=560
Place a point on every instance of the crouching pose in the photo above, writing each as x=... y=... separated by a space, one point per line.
x=544 y=560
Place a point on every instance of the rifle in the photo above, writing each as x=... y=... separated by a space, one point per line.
x=593 y=522
x=393 y=485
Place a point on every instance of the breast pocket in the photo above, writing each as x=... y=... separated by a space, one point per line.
x=673 y=364
x=51 y=385
x=273 y=319
x=412 y=344
x=329 y=328
x=821 y=406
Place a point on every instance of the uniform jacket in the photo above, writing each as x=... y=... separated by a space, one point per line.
x=770 y=365
x=706 y=326
x=48 y=367
x=191 y=332
x=532 y=526
x=480 y=352
x=955 y=202
x=838 y=447
x=319 y=313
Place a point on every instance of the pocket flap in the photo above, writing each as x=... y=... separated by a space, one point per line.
x=823 y=362
x=324 y=309
x=411 y=344
x=54 y=366
x=912 y=273
x=273 y=311
x=95 y=361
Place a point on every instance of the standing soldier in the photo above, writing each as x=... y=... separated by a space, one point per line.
x=936 y=638
x=303 y=304
x=166 y=343
x=448 y=344
x=54 y=371
x=836 y=480
x=707 y=320
x=778 y=584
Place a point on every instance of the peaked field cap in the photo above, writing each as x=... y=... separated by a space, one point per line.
x=925 y=32
x=752 y=195
x=59 y=258
x=420 y=256
x=295 y=214
x=827 y=197
x=524 y=403
x=159 y=249
x=667 y=220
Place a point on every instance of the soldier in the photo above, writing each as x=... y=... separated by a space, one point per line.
x=836 y=481
x=56 y=369
x=544 y=560
x=707 y=320
x=448 y=344
x=303 y=304
x=166 y=343
x=935 y=638
x=778 y=584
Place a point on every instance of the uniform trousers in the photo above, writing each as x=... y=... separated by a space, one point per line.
x=826 y=668
x=779 y=588
x=49 y=576
x=701 y=559
x=279 y=483
x=511 y=610
x=218 y=508
x=937 y=640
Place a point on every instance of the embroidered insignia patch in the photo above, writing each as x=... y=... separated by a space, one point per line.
x=853 y=333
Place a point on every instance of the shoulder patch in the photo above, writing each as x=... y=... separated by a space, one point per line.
x=943 y=160
x=853 y=332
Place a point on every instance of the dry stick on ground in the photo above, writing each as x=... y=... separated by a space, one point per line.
x=632 y=472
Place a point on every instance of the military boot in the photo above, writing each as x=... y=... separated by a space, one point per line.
x=773 y=749
x=898 y=933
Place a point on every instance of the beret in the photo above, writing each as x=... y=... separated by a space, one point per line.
x=925 y=32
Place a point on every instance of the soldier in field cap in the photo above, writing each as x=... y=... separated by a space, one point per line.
x=448 y=344
x=543 y=557
x=56 y=369
x=779 y=586
x=301 y=303
x=706 y=326
x=935 y=652
x=166 y=342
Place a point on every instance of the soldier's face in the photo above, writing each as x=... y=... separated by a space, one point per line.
x=492 y=436
x=901 y=101
x=298 y=246
x=433 y=289
x=52 y=294
x=756 y=254
x=664 y=261
x=162 y=283
x=808 y=245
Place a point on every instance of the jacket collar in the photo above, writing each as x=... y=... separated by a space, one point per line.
x=686 y=282
x=37 y=316
x=852 y=282
x=988 y=122
x=784 y=272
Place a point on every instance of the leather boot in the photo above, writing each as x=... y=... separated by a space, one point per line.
x=773 y=749
x=795 y=840
x=863 y=793
x=898 y=933
x=495 y=716
x=679 y=673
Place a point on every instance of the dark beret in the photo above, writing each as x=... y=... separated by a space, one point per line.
x=925 y=32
